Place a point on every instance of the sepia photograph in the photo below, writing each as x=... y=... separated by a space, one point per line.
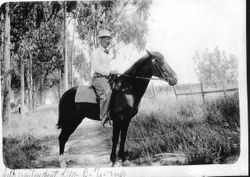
x=117 y=88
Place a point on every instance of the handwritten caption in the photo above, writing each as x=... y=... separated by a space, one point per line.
x=85 y=172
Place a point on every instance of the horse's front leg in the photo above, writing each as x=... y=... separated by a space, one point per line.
x=115 y=138
x=124 y=130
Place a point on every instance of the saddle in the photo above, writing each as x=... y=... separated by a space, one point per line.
x=87 y=93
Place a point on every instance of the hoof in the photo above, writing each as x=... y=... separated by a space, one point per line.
x=117 y=164
x=62 y=161
x=113 y=159
x=63 y=164
x=126 y=163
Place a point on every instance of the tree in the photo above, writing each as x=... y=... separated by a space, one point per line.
x=66 y=7
x=35 y=45
x=112 y=15
x=127 y=28
x=6 y=58
x=65 y=56
x=37 y=41
x=216 y=68
x=42 y=70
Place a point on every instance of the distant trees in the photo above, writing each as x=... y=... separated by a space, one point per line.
x=127 y=28
x=125 y=19
x=216 y=68
x=82 y=66
x=34 y=46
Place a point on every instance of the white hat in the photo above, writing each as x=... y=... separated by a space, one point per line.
x=104 y=33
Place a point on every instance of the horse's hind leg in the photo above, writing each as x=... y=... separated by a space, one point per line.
x=67 y=130
x=63 y=138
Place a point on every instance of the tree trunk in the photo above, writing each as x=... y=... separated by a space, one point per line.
x=28 y=100
x=81 y=71
x=1 y=44
x=65 y=51
x=22 y=87
x=59 y=84
x=72 y=60
x=6 y=56
x=30 y=84
x=41 y=91
x=35 y=95
x=41 y=95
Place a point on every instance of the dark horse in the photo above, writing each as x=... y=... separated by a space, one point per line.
x=127 y=93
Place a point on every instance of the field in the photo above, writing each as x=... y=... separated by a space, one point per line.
x=206 y=133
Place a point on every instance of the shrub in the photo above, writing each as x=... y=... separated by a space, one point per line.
x=224 y=112
x=21 y=152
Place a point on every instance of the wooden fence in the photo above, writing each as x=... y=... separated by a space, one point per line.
x=203 y=92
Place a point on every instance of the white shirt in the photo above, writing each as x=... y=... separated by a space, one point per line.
x=100 y=61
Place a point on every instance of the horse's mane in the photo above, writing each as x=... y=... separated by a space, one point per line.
x=136 y=65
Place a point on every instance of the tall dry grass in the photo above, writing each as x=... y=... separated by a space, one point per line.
x=207 y=133
x=38 y=123
x=22 y=145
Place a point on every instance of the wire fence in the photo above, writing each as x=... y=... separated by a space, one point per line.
x=190 y=90
x=203 y=92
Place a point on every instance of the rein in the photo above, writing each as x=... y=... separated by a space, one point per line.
x=139 y=77
x=147 y=78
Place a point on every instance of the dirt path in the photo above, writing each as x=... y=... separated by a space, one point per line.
x=85 y=148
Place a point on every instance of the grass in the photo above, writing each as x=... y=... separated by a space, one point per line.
x=22 y=139
x=38 y=123
x=22 y=152
x=208 y=133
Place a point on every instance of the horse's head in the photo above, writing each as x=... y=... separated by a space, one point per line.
x=161 y=69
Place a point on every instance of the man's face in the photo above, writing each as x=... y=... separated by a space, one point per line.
x=105 y=42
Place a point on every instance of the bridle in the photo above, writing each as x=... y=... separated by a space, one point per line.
x=156 y=66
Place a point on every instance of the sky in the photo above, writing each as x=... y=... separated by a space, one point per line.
x=179 y=27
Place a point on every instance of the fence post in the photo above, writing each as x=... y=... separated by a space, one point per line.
x=191 y=91
x=224 y=91
x=202 y=92
x=175 y=93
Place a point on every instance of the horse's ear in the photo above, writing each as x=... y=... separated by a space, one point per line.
x=148 y=53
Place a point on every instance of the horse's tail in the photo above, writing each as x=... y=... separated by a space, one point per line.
x=64 y=109
x=60 y=115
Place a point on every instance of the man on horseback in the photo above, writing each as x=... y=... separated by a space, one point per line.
x=100 y=63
